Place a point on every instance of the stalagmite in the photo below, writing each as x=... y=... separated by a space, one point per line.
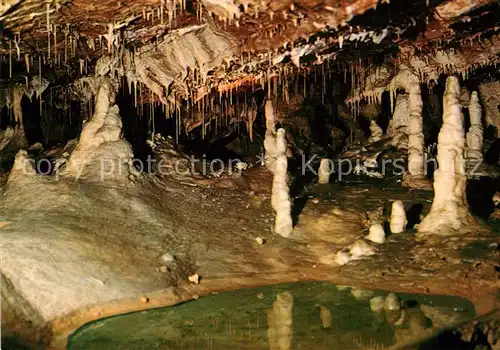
x=376 y=132
x=102 y=154
x=270 y=137
x=18 y=92
x=376 y=234
x=496 y=202
x=449 y=212
x=398 y=125
x=280 y=198
x=22 y=170
x=474 y=135
x=324 y=171
x=325 y=316
x=490 y=98
x=280 y=322
x=415 y=177
x=398 y=217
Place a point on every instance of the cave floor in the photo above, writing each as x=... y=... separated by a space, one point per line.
x=75 y=252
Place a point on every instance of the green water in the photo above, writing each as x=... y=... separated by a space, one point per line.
x=239 y=320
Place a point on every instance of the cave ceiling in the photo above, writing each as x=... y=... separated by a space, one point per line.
x=194 y=48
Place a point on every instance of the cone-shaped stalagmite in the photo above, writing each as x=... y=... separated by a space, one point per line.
x=449 y=212
x=376 y=132
x=324 y=171
x=102 y=153
x=398 y=217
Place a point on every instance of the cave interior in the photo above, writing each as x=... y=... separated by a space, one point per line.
x=157 y=152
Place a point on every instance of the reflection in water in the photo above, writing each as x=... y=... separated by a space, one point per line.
x=280 y=322
x=325 y=316
x=278 y=318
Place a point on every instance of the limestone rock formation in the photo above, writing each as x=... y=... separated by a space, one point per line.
x=496 y=202
x=376 y=234
x=280 y=322
x=398 y=217
x=376 y=132
x=449 y=212
x=490 y=100
x=474 y=136
x=415 y=177
x=324 y=171
x=270 y=137
x=280 y=198
x=101 y=153
x=398 y=125
x=23 y=169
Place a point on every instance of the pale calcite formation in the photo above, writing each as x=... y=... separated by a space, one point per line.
x=411 y=83
x=324 y=171
x=280 y=198
x=398 y=125
x=376 y=234
x=449 y=212
x=325 y=316
x=392 y=302
x=101 y=153
x=360 y=249
x=23 y=168
x=17 y=96
x=280 y=322
x=249 y=118
x=376 y=132
x=496 y=202
x=377 y=303
x=17 y=92
x=406 y=78
x=474 y=135
x=398 y=217
x=490 y=98
x=270 y=137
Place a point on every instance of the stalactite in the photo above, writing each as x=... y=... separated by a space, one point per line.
x=48 y=32
x=10 y=59
x=27 y=62
x=55 y=41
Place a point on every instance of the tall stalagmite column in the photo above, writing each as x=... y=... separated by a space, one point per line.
x=416 y=176
x=280 y=198
x=449 y=212
x=270 y=137
x=474 y=135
